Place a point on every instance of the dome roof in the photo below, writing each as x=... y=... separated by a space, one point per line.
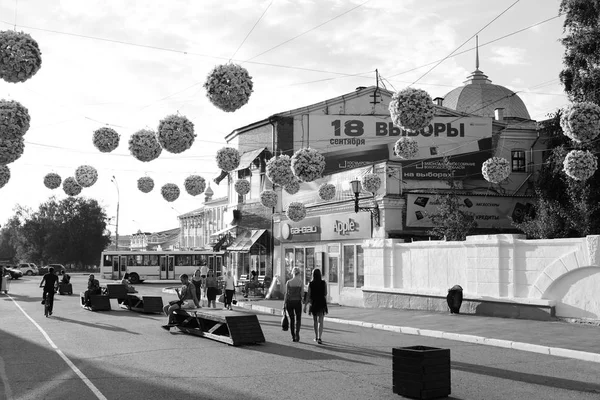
x=208 y=192
x=479 y=97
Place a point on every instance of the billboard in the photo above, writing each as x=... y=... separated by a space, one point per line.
x=351 y=141
x=489 y=211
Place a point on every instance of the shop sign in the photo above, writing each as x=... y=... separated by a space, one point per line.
x=490 y=212
x=346 y=226
x=304 y=231
x=351 y=141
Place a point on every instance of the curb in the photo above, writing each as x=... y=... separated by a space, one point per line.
x=459 y=337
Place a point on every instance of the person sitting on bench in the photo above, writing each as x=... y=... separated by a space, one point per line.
x=66 y=279
x=187 y=299
x=252 y=282
x=125 y=281
x=93 y=288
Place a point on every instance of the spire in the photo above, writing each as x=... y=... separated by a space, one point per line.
x=477 y=52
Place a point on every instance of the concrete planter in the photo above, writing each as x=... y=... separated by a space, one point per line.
x=421 y=372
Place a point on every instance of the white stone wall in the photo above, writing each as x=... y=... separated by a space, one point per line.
x=565 y=272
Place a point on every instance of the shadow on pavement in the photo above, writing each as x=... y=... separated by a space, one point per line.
x=515 y=376
x=24 y=299
x=97 y=325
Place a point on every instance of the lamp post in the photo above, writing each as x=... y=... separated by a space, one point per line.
x=114 y=180
x=356 y=188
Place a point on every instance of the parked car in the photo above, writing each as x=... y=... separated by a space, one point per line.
x=28 y=269
x=15 y=273
x=59 y=269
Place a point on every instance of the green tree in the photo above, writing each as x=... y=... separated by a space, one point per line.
x=450 y=220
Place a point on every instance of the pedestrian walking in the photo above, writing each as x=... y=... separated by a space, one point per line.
x=292 y=302
x=211 y=289
x=317 y=303
x=229 y=284
x=197 y=280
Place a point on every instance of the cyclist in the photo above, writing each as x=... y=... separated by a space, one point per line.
x=49 y=283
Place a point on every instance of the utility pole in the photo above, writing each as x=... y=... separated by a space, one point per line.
x=114 y=180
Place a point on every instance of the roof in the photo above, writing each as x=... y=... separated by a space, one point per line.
x=248 y=157
x=480 y=97
x=244 y=241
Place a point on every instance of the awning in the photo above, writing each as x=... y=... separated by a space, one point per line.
x=247 y=158
x=246 y=240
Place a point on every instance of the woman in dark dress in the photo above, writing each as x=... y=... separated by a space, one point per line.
x=317 y=302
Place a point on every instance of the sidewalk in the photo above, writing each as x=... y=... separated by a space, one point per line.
x=555 y=338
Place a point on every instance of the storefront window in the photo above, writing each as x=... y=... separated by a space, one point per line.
x=289 y=262
x=310 y=265
x=360 y=267
x=348 y=266
x=299 y=260
x=332 y=273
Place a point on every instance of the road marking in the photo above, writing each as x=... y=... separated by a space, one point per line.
x=84 y=378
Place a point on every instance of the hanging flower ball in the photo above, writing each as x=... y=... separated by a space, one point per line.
x=52 y=180
x=228 y=159
x=411 y=109
x=170 y=191
x=194 y=184
x=293 y=187
x=495 y=169
x=406 y=148
x=228 y=87
x=326 y=191
x=71 y=187
x=296 y=211
x=176 y=133
x=581 y=121
x=11 y=150
x=279 y=170
x=242 y=186
x=106 y=139
x=308 y=164
x=20 y=56
x=144 y=146
x=580 y=164
x=145 y=184
x=371 y=182
x=4 y=175
x=14 y=119
x=86 y=175
x=268 y=198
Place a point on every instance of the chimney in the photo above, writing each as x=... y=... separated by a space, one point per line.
x=499 y=113
x=438 y=101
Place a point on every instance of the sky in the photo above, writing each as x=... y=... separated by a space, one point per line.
x=129 y=64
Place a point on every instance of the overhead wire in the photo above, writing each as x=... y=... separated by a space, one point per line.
x=254 y=26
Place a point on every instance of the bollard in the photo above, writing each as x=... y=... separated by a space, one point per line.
x=421 y=372
x=455 y=298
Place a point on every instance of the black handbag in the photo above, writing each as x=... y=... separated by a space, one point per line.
x=285 y=322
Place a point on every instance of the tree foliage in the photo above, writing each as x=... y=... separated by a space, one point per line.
x=70 y=231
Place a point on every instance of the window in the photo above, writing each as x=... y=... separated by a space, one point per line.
x=348 y=266
x=354 y=266
x=518 y=160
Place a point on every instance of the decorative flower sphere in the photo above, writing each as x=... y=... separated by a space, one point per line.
x=106 y=139
x=296 y=211
x=170 y=191
x=411 y=109
x=580 y=164
x=194 y=184
x=326 y=191
x=242 y=186
x=20 y=56
x=228 y=87
x=279 y=170
x=4 y=175
x=268 y=198
x=145 y=184
x=371 y=182
x=52 y=180
x=406 y=148
x=11 y=150
x=581 y=121
x=86 y=175
x=14 y=119
x=293 y=187
x=308 y=164
x=176 y=133
x=495 y=169
x=228 y=159
x=144 y=146
x=71 y=187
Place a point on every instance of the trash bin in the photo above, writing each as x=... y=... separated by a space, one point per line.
x=421 y=372
x=4 y=285
x=454 y=299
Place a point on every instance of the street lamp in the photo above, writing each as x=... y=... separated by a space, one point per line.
x=114 y=180
x=356 y=188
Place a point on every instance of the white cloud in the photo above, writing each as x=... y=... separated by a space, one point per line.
x=508 y=55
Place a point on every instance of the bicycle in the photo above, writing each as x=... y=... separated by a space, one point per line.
x=49 y=302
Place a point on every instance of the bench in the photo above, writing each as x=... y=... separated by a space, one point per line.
x=99 y=302
x=144 y=304
x=116 y=290
x=65 y=288
x=234 y=328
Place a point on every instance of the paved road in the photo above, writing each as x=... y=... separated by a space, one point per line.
x=77 y=354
